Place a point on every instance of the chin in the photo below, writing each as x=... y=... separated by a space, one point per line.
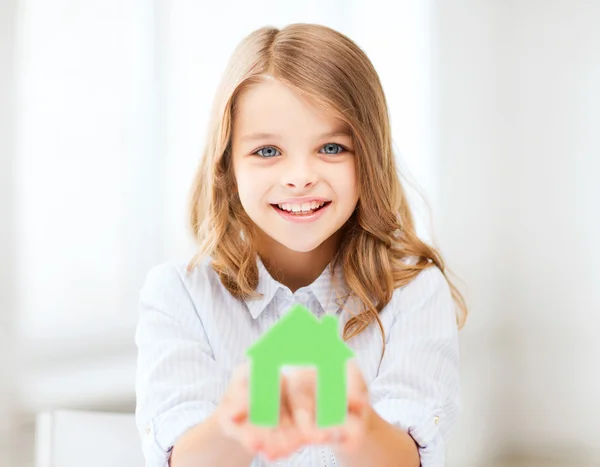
x=301 y=245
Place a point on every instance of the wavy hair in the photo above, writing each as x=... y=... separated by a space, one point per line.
x=331 y=71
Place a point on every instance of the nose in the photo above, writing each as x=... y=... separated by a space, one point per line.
x=299 y=173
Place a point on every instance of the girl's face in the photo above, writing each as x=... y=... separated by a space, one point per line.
x=288 y=160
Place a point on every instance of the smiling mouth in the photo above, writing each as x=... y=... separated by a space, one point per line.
x=302 y=213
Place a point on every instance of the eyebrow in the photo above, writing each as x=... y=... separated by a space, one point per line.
x=258 y=136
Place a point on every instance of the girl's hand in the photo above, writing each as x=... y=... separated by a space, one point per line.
x=233 y=415
x=348 y=437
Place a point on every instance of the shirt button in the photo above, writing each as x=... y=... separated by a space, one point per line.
x=148 y=430
x=436 y=419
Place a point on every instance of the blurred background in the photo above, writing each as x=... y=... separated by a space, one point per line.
x=495 y=108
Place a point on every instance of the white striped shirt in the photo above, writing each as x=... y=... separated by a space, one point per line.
x=192 y=333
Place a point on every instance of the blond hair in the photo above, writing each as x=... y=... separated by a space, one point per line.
x=330 y=70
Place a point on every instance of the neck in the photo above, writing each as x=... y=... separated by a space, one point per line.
x=296 y=269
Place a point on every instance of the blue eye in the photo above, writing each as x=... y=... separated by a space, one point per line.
x=271 y=149
x=266 y=156
x=342 y=148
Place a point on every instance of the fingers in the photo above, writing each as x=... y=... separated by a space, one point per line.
x=236 y=401
x=251 y=437
x=284 y=439
x=233 y=410
x=356 y=381
x=357 y=390
x=297 y=424
x=301 y=396
x=281 y=442
x=287 y=421
x=353 y=431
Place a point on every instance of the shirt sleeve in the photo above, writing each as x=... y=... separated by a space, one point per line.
x=417 y=387
x=178 y=383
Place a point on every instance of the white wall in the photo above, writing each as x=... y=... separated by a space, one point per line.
x=88 y=194
x=8 y=365
x=555 y=315
x=465 y=113
x=517 y=147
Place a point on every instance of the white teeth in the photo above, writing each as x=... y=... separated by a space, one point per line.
x=304 y=207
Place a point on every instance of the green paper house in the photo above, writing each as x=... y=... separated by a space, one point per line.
x=299 y=339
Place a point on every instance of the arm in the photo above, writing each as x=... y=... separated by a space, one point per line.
x=416 y=393
x=178 y=381
x=384 y=444
x=206 y=444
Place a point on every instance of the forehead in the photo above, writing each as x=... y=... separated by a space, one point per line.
x=272 y=106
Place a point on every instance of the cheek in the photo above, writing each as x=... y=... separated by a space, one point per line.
x=243 y=177
x=345 y=184
x=251 y=185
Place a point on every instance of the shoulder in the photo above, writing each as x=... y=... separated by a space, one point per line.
x=429 y=284
x=172 y=281
x=175 y=271
x=426 y=282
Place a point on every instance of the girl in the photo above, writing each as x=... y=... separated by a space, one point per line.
x=297 y=200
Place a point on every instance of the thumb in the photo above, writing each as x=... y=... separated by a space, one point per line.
x=234 y=405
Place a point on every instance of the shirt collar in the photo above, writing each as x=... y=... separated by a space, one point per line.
x=331 y=296
x=267 y=287
x=330 y=300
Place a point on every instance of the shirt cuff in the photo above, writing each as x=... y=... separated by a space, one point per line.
x=165 y=429
x=420 y=423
